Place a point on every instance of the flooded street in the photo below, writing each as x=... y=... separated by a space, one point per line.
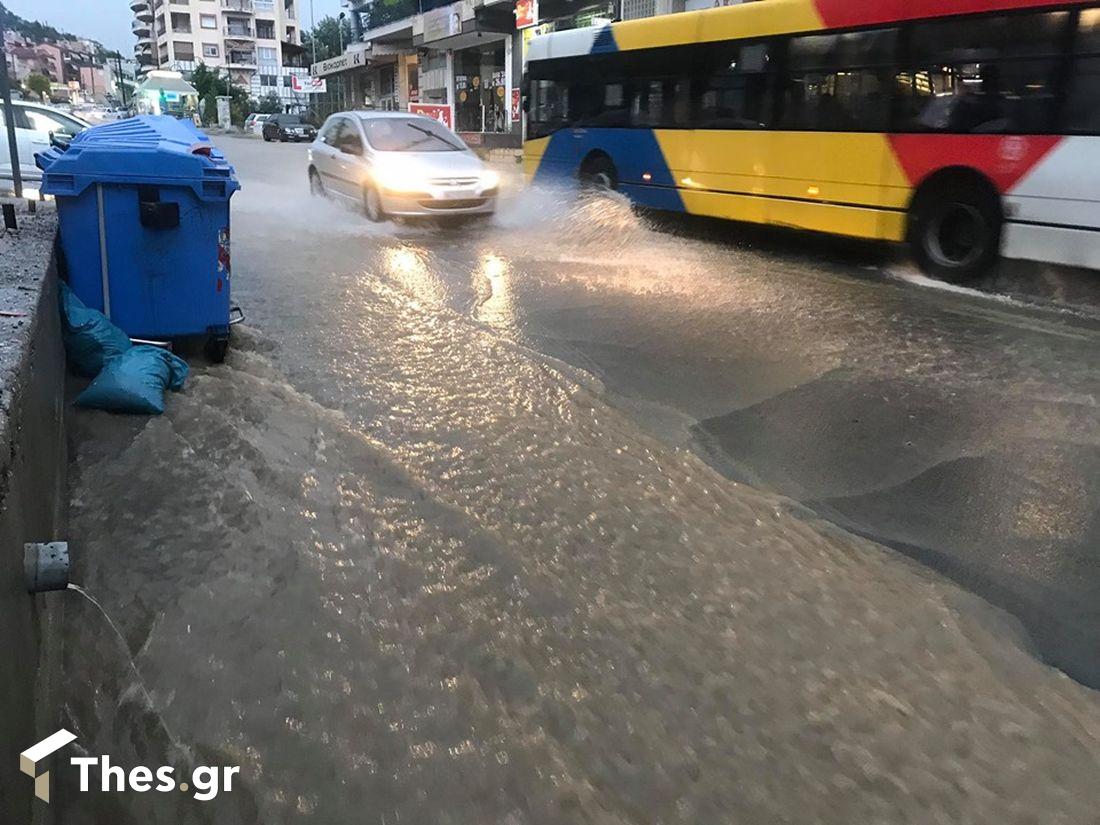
x=536 y=522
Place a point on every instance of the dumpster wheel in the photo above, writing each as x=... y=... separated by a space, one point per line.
x=216 y=348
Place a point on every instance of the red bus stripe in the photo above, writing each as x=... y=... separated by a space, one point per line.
x=1004 y=159
x=840 y=14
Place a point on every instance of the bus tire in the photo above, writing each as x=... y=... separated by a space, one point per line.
x=955 y=226
x=598 y=172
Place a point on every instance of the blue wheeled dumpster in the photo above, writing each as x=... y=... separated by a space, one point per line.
x=143 y=206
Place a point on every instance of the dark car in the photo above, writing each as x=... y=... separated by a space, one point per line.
x=288 y=127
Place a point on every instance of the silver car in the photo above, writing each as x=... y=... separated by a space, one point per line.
x=399 y=164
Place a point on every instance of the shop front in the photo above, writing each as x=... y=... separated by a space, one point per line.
x=469 y=66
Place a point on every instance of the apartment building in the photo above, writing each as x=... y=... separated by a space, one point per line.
x=258 y=42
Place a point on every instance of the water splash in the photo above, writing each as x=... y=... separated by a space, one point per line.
x=140 y=680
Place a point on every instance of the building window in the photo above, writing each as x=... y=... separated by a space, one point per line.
x=181 y=22
x=290 y=31
x=210 y=50
x=267 y=54
x=183 y=50
x=267 y=80
x=265 y=29
x=208 y=21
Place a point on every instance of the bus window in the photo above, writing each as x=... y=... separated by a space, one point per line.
x=1083 y=103
x=549 y=107
x=983 y=75
x=835 y=83
x=734 y=87
x=660 y=103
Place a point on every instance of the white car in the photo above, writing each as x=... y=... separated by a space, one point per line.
x=254 y=123
x=35 y=124
x=399 y=164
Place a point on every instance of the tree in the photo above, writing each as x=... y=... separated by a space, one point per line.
x=211 y=84
x=269 y=104
x=38 y=84
x=327 y=34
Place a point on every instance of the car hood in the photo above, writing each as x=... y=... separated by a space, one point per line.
x=433 y=164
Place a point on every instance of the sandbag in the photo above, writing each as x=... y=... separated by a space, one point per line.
x=90 y=339
x=134 y=382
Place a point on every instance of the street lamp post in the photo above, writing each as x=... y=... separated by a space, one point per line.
x=9 y=117
x=313 y=31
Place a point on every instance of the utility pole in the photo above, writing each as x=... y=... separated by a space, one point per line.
x=313 y=31
x=9 y=116
x=121 y=79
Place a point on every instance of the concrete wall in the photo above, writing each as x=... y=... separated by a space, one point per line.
x=33 y=492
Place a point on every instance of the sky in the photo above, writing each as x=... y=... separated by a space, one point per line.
x=108 y=21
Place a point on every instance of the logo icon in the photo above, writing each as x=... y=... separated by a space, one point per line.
x=29 y=759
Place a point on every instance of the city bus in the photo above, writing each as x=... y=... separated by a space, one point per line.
x=968 y=128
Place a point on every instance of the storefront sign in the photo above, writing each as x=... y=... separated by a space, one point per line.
x=348 y=60
x=443 y=112
x=531 y=33
x=527 y=13
x=516 y=106
x=306 y=85
x=441 y=23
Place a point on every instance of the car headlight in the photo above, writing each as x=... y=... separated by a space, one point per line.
x=400 y=177
x=489 y=179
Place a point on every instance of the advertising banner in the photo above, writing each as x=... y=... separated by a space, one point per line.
x=527 y=13
x=442 y=112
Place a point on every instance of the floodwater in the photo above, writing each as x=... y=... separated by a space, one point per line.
x=403 y=564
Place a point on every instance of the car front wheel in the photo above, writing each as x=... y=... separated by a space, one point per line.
x=372 y=205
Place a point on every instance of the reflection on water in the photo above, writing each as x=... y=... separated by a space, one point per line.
x=493 y=281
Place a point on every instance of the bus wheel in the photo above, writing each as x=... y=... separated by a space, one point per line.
x=955 y=229
x=599 y=172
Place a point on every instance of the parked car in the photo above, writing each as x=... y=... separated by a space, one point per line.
x=287 y=127
x=254 y=123
x=397 y=164
x=35 y=125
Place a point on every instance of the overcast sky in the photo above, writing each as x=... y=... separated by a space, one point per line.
x=108 y=21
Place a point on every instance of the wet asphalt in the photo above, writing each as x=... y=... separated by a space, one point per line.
x=958 y=426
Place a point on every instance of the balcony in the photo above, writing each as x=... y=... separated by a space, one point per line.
x=142 y=10
x=239 y=32
x=241 y=60
x=141 y=28
x=238 y=6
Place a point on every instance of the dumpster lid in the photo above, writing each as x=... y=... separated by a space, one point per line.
x=147 y=149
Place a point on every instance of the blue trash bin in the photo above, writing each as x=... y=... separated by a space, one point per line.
x=143 y=207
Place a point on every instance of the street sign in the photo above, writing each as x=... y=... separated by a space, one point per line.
x=442 y=112
x=307 y=85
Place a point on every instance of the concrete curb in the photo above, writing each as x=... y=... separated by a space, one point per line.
x=33 y=487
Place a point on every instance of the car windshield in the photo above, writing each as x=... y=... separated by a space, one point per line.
x=413 y=134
